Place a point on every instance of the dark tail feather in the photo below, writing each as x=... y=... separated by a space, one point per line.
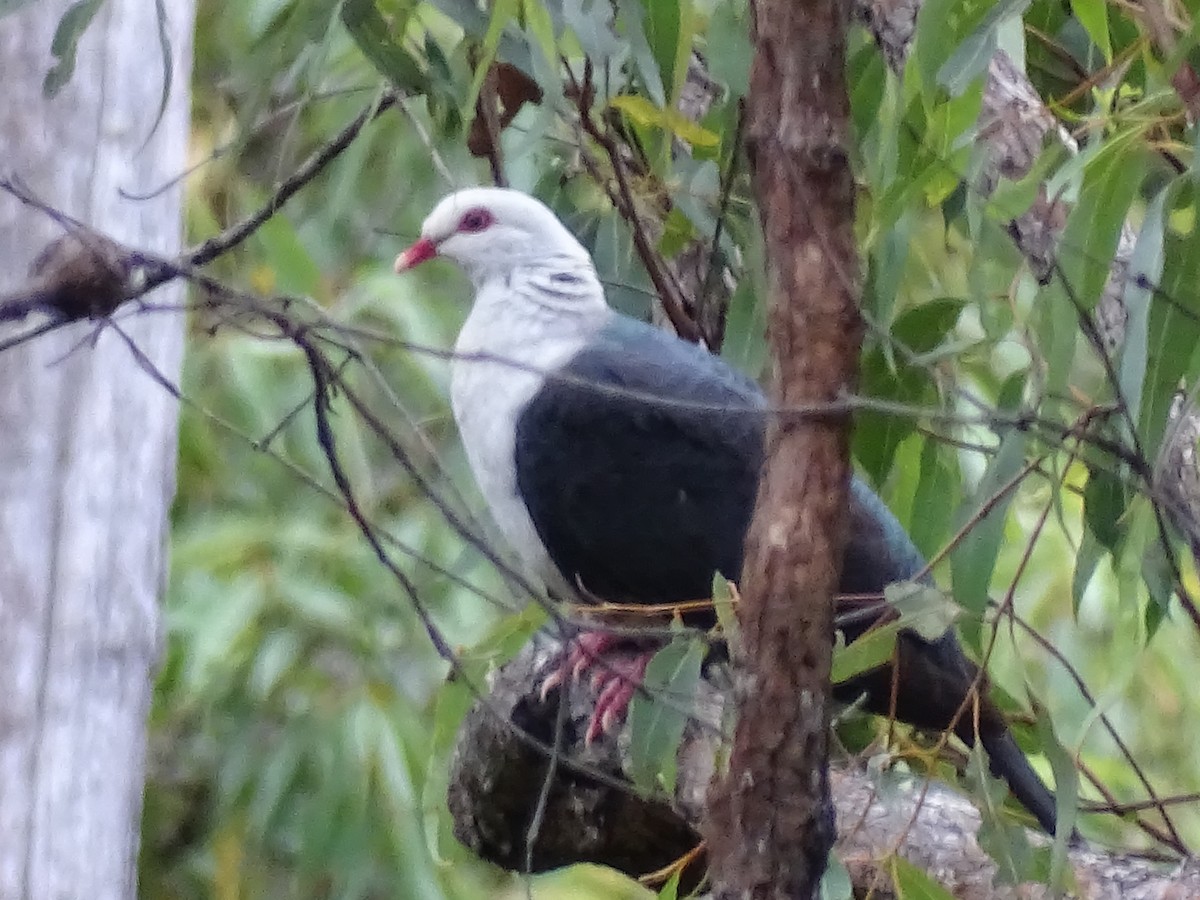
x=1008 y=762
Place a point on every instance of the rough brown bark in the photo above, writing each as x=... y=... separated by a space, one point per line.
x=771 y=822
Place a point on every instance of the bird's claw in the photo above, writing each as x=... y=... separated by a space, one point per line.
x=616 y=678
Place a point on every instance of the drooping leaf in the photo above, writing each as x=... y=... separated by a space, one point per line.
x=1089 y=556
x=1173 y=331
x=381 y=41
x=65 y=43
x=663 y=25
x=872 y=650
x=729 y=48
x=912 y=883
x=1110 y=182
x=1093 y=16
x=591 y=21
x=168 y=67
x=658 y=715
x=503 y=12
x=1066 y=800
x=1005 y=841
x=644 y=112
x=938 y=485
x=923 y=608
x=1104 y=505
x=974 y=558
x=722 y=598
x=1145 y=270
x=971 y=57
x=835 y=880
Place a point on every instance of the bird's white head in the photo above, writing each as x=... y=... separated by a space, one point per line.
x=492 y=231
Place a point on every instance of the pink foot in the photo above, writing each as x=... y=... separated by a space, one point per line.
x=616 y=675
x=618 y=680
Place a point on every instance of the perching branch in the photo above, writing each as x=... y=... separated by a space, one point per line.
x=882 y=815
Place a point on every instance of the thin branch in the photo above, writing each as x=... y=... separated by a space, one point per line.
x=669 y=292
x=305 y=173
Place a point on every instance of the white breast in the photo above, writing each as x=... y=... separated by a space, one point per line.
x=522 y=340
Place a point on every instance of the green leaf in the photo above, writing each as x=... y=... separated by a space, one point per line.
x=288 y=267
x=950 y=127
x=923 y=608
x=1066 y=800
x=889 y=373
x=1103 y=506
x=663 y=28
x=591 y=21
x=65 y=43
x=924 y=327
x=835 y=880
x=974 y=558
x=1145 y=270
x=657 y=716
x=503 y=12
x=1173 y=341
x=1089 y=556
x=381 y=41
x=1110 y=183
x=453 y=702
x=670 y=890
x=670 y=28
x=872 y=650
x=631 y=19
x=642 y=111
x=912 y=883
x=722 y=598
x=956 y=38
x=1005 y=841
x=730 y=50
x=1093 y=16
x=540 y=25
x=939 y=483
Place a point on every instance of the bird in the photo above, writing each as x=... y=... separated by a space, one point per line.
x=622 y=463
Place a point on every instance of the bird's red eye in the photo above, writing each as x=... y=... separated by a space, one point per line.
x=475 y=220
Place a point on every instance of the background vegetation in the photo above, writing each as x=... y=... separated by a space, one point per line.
x=303 y=718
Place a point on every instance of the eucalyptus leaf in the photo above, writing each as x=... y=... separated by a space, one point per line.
x=983 y=515
x=382 y=41
x=912 y=883
x=65 y=43
x=729 y=48
x=835 y=880
x=872 y=650
x=1110 y=183
x=658 y=714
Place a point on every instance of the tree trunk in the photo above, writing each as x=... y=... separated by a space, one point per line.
x=87 y=454
x=771 y=821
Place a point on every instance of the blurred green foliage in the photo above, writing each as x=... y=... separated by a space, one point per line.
x=302 y=718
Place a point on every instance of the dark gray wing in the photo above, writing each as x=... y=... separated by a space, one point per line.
x=642 y=498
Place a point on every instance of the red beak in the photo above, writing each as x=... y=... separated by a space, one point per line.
x=422 y=251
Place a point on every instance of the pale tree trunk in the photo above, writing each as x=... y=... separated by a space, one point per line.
x=87 y=456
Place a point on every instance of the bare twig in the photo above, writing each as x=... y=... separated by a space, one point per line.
x=307 y=171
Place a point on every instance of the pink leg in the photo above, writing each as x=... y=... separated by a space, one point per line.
x=616 y=675
x=618 y=680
